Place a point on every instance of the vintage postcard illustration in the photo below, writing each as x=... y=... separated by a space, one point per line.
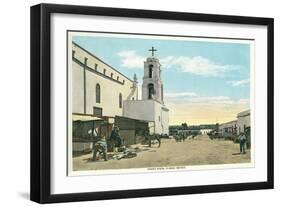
x=142 y=103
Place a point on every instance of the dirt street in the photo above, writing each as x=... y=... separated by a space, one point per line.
x=199 y=151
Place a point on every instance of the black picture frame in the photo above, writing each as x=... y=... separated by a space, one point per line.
x=41 y=102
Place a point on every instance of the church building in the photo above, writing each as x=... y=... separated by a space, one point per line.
x=151 y=107
x=100 y=90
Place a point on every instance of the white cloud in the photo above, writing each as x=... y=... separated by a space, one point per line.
x=239 y=82
x=180 y=94
x=193 y=98
x=243 y=101
x=205 y=109
x=197 y=65
x=130 y=59
x=194 y=113
x=167 y=61
x=212 y=100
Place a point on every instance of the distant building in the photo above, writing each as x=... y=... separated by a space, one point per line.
x=195 y=129
x=243 y=121
x=228 y=129
x=188 y=131
x=235 y=127
x=173 y=129
x=205 y=131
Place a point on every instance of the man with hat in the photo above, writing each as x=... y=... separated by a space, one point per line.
x=242 y=139
x=115 y=136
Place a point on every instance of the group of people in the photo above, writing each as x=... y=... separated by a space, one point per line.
x=101 y=144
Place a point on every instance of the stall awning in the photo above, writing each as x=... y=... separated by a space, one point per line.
x=85 y=117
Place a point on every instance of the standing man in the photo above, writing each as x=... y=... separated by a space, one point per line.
x=115 y=136
x=242 y=139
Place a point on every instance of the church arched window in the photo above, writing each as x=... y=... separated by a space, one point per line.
x=150 y=71
x=150 y=90
x=98 y=93
x=120 y=100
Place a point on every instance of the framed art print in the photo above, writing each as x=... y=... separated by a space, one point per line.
x=132 y=103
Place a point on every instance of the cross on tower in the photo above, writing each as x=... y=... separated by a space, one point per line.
x=152 y=50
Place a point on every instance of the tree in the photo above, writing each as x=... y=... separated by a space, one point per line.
x=184 y=125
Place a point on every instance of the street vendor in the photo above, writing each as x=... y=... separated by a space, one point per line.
x=101 y=147
x=115 y=136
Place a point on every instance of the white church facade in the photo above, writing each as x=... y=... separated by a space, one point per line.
x=100 y=90
x=151 y=107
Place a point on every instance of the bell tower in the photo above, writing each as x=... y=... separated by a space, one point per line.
x=152 y=87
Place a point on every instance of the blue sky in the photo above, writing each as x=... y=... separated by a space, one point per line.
x=194 y=72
